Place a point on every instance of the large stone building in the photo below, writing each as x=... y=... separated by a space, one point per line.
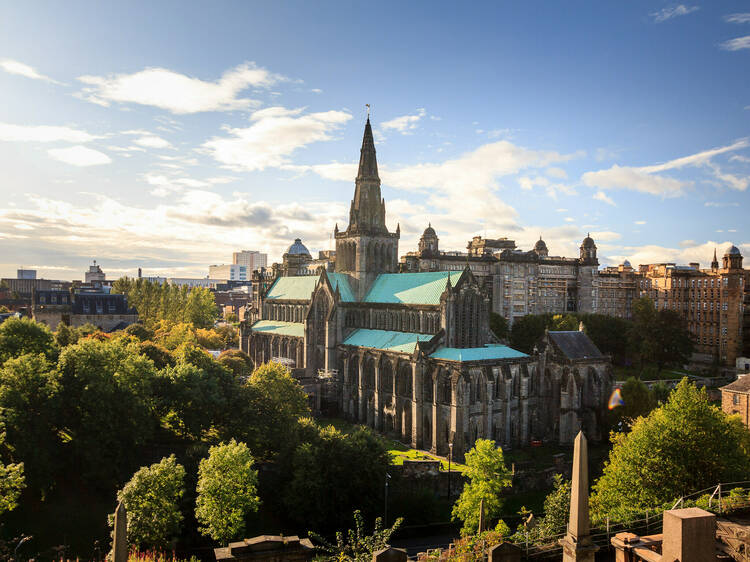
x=517 y=282
x=106 y=311
x=411 y=353
x=712 y=301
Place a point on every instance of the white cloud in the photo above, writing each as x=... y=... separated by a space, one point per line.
x=42 y=133
x=79 y=156
x=275 y=134
x=701 y=253
x=737 y=18
x=639 y=222
x=405 y=123
x=527 y=183
x=14 y=67
x=557 y=173
x=646 y=180
x=717 y=204
x=178 y=93
x=152 y=141
x=673 y=12
x=603 y=197
x=734 y=182
x=736 y=44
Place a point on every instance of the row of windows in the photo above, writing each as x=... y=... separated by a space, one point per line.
x=683 y=283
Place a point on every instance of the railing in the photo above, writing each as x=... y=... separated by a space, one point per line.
x=720 y=499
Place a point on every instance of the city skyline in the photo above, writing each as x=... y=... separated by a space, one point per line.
x=238 y=129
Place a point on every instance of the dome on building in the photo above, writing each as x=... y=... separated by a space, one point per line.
x=626 y=263
x=429 y=231
x=540 y=246
x=298 y=248
x=733 y=251
x=588 y=242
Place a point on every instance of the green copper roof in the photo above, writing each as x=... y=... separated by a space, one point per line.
x=486 y=353
x=411 y=288
x=277 y=328
x=301 y=287
x=403 y=342
x=297 y=288
x=342 y=281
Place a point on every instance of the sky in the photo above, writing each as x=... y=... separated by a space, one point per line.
x=166 y=135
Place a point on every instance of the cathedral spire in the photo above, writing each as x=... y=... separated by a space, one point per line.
x=715 y=263
x=368 y=163
x=367 y=211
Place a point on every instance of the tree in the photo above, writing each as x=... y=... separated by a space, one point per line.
x=226 y=489
x=332 y=473
x=12 y=482
x=357 y=546
x=140 y=331
x=659 y=337
x=565 y=323
x=107 y=406
x=637 y=399
x=527 y=331
x=485 y=468
x=237 y=361
x=556 y=510
x=152 y=501
x=607 y=334
x=65 y=335
x=499 y=326
x=681 y=447
x=30 y=409
x=23 y=335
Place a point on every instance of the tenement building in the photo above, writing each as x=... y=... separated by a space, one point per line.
x=411 y=354
x=712 y=302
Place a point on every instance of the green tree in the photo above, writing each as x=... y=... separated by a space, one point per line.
x=152 y=500
x=12 y=482
x=485 y=468
x=356 y=545
x=499 y=326
x=107 y=406
x=556 y=509
x=681 y=447
x=637 y=398
x=607 y=334
x=659 y=336
x=333 y=473
x=237 y=361
x=527 y=331
x=23 y=335
x=140 y=331
x=564 y=322
x=226 y=490
x=65 y=335
x=30 y=409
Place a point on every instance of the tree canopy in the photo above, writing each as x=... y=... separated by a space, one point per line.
x=488 y=475
x=152 y=501
x=23 y=335
x=681 y=447
x=227 y=486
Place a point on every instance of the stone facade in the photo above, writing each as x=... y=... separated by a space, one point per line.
x=735 y=398
x=411 y=354
x=517 y=282
x=106 y=311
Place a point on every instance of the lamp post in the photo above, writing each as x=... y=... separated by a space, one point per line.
x=450 y=458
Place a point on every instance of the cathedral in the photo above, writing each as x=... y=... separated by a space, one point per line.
x=411 y=354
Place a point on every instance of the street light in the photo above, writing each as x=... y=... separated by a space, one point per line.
x=450 y=458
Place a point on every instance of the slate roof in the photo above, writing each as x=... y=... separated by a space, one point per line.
x=486 y=353
x=411 y=288
x=278 y=328
x=575 y=345
x=401 y=342
x=740 y=385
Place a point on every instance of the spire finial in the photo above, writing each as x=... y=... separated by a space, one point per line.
x=367 y=105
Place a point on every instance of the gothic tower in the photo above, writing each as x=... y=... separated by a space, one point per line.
x=366 y=248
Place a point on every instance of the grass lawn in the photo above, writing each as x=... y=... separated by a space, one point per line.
x=397 y=450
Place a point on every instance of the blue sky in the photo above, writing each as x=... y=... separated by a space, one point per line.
x=167 y=135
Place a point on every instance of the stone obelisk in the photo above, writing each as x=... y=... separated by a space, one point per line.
x=577 y=544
